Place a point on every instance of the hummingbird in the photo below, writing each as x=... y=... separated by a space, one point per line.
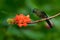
x=42 y=14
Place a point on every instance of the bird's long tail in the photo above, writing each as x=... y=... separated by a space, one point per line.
x=49 y=23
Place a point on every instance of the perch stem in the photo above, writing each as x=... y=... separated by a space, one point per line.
x=44 y=19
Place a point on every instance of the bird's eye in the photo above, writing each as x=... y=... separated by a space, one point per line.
x=35 y=10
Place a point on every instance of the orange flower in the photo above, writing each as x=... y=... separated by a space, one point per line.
x=22 y=20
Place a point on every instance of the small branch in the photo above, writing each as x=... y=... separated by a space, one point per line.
x=44 y=19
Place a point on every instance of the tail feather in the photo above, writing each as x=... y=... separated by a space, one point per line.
x=49 y=23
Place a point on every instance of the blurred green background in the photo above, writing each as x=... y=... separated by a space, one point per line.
x=38 y=31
